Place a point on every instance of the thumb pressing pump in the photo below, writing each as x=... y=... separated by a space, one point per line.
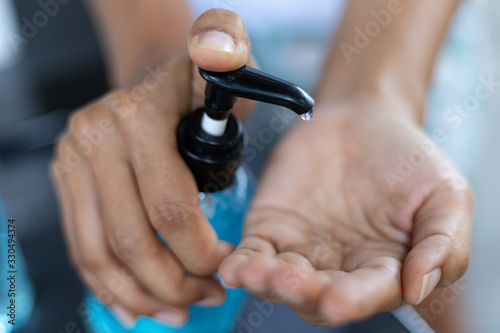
x=211 y=139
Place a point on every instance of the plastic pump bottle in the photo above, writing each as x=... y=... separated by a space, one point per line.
x=211 y=141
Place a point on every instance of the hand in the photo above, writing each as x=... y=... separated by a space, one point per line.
x=337 y=237
x=120 y=180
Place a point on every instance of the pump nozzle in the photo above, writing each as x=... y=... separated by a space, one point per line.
x=250 y=83
x=211 y=139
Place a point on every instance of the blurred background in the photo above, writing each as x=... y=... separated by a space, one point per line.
x=60 y=68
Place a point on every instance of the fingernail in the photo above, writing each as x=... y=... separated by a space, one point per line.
x=212 y=300
x=227 y=286
x=429 y=282
x=171 y=318
x=216 y=40
x=123 y=316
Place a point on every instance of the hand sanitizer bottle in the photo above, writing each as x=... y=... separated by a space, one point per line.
x=17 y=296
x=211 y=141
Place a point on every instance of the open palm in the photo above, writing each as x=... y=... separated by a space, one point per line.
x=357 y=211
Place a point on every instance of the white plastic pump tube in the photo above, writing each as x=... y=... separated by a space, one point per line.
x=212 y=126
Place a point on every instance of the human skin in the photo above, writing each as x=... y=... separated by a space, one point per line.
x=379 y=242
x=137 y=34
x=133 y=183
x=382 y=240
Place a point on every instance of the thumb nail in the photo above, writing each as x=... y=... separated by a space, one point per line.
x=215 y=40
x=429 y=282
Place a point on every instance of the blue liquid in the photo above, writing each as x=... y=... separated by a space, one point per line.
x=225 y=210
x=23 y=295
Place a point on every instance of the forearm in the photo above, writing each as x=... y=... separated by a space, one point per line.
x=137 y=34
x=390 y=53
x=387 y=48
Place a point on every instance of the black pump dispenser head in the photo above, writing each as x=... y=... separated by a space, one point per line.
x=211 y=139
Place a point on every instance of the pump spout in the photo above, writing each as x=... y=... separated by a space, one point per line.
x=250 y=83
x=211 y=139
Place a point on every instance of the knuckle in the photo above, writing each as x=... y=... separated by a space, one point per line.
x=129 y=246
x=79 y=123
x=127 y=114
x=92 y=261
x=124 y=248
x=104 y=295
x=169 y=217
x=122 y=106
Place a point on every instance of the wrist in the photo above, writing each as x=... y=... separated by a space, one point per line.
x=367 y=105
x=138 y=34
x=378 y=74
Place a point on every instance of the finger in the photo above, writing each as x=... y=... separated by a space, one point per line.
x=256 y=275
x=441 y=241
x=117 y=286
x=269 y=231
x=170 y=196
x=59 y=178
x=218 y=41
x=167 y=186
x=215 y=30
x=64 y=195
x=171 y=199
x=373 y=287
x=256 y=266
x=288 y=278
x=301 y=289
x=135 y=242
x=269 y=277
x=251 y=246
x=241 y=109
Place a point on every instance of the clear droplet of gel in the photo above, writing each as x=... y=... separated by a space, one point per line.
x=307 y=116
